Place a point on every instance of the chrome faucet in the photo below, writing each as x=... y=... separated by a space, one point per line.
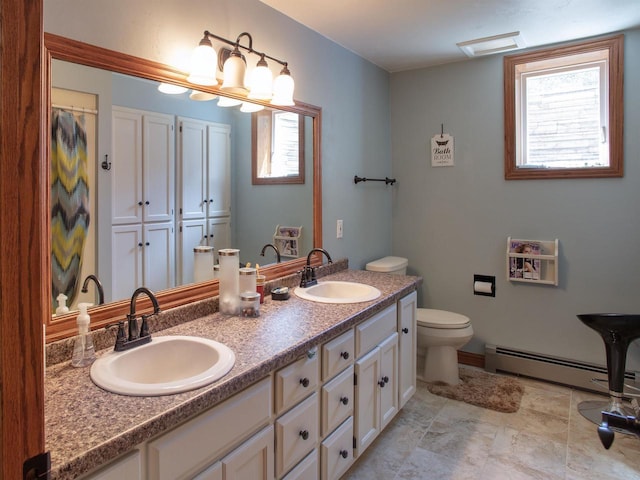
x=308 y=278
x=274 y=248
x=135 y=337
x=85 y=287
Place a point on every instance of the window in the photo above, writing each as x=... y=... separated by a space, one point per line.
x=278 y=147
x=563 y=111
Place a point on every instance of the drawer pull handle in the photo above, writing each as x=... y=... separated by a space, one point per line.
x=385 y=379
x=344 y=400
x=304 y=434
x=405 y=330
x=345 y=355
x=344 y=453
x=312 y=353
x=304 y=382
x=381 y=383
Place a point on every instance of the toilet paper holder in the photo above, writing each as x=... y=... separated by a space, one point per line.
x=484 y=285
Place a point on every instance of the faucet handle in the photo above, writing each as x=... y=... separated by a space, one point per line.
x=144 y=328
x=121 y=336
x=132 y=322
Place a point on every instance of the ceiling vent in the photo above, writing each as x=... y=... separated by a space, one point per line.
x=491 y=45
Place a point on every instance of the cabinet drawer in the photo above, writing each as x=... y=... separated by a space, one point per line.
x=295 y=382
x=296 y=434
x=337 y=400
x=307 y=469
x=336 y=451
x=337 y=354
x=190 y=447
x=129 y=467
x=376 y=329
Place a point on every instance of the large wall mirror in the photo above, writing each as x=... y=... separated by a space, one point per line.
x=98 y=91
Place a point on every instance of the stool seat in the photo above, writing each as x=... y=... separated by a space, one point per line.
x=617 y=330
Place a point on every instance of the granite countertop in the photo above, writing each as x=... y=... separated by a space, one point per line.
x=86 y=426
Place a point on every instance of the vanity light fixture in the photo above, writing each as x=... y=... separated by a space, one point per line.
x=262 y=86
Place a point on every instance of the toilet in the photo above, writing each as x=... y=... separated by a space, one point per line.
x=440 y=333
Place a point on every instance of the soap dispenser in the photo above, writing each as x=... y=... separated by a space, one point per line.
x=83 y=351
x=62 y=304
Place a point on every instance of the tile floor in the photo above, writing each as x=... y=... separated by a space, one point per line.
x=434 y=438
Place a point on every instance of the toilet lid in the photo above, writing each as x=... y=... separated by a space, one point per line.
x=428 y=317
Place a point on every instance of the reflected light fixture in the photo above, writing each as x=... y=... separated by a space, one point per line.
x=261 y=85
x=228 y=102
x=249 y=107
x=202 y=96
x=171 y=89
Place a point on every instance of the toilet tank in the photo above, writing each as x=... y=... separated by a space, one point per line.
x=394 y=265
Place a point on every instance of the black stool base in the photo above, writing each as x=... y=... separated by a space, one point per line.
x=592 y=411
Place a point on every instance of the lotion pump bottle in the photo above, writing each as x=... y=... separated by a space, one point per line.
x=83 y=351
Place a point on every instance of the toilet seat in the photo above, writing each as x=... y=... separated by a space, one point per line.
x=428 y=317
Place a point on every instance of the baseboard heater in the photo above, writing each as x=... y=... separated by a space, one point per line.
x=553 y=369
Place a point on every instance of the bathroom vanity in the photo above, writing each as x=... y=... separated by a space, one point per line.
x=312 y=387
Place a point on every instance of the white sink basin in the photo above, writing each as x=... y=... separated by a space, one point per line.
x=338 y=292
x=167 y=365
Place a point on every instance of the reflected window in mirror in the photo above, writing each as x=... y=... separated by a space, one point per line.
x=563 y=111
x=277 y=139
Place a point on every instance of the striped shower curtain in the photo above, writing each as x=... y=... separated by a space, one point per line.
x=69 y=202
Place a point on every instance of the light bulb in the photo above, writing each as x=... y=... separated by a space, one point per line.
x=261 y=81
x=203 y=64
x=283 y=87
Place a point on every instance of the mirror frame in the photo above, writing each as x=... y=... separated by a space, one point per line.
x=62 y=48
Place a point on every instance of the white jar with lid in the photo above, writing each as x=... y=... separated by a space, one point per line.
x=247 y=279
x=229 y=284
x=202 y=263
x=250 y=304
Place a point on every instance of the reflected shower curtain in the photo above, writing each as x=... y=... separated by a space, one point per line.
x=69 y=202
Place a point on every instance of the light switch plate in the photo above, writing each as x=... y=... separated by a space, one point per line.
x=339 y=229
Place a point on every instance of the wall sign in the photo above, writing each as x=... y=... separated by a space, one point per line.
x=442 y=150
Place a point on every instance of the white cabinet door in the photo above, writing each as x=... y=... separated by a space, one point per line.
x=218 y=171
x=127 y=251
x=192 y=233
x=376 y=391
x=253 y=460
x=388 y=376
x=158 y=162
x=367 y=408
x=219 y=233
x=408 y=335
x=159 y=254
x=126 y=167
x=193 y=169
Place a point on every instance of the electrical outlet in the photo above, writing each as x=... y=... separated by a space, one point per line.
x=339 y=229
